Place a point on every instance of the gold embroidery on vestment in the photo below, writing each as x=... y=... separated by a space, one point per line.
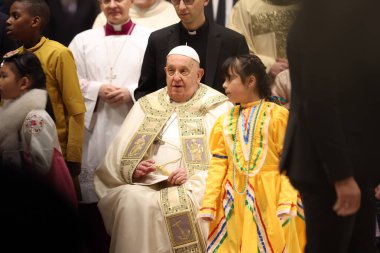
x=277 y=22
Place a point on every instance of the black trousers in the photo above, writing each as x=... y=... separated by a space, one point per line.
x=328 y=233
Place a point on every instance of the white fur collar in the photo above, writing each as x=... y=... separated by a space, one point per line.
x=13 y=113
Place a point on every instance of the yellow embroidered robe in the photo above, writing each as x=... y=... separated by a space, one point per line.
x=249 y=221
x=62 y=85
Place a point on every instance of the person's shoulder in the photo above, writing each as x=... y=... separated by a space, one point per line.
x=278 y=110
x=37 y=121
x=164 y=32
x=87 y=37
x=213 y=92
x=90 y=33
x=150 y=97
x=40 y=114
x=227 y=32
x=214 y=98
x=54 y=50
x=228 y=112
x=54 y=47
x=142 y=31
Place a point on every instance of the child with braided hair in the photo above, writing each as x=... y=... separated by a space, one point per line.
x=251 y=207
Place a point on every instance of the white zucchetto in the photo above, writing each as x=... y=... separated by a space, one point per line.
x=186 y=51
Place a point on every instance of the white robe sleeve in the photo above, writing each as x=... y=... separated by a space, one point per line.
x=89 y=88
x=39 y=137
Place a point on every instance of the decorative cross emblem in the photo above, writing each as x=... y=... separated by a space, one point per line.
x=111 y=76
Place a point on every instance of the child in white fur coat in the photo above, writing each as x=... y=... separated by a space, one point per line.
x=28 y=137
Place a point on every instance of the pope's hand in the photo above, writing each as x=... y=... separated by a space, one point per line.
x=348 y=197
x=178 y=177
x=144 y=168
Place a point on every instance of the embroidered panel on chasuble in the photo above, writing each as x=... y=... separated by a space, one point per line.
x=277 y=21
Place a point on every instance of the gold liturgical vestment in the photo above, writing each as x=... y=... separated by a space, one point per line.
x=265 y=25
x=148 y=215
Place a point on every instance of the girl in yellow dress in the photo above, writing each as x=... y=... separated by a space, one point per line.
x=251 y=207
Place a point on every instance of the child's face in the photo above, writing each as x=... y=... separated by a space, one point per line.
x=236 y=90
x=19 y=23
x=10 y=87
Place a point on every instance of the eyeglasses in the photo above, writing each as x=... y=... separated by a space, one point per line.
x=107 y=2
x=186 y=2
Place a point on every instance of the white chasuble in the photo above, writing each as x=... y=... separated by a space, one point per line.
x=148 y=215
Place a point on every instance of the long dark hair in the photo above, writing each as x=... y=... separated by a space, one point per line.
x=245 y=66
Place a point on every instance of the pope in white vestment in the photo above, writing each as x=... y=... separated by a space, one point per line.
x=101 y=59
x=157 y=212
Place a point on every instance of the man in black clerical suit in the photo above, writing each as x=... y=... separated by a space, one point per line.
x=331 y=148
x=213 y=43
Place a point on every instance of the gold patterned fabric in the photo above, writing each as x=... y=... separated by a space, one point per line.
x=174 y=136
x=265 y=25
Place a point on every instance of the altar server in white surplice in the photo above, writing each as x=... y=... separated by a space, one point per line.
x=153 y=176
x=109 y=61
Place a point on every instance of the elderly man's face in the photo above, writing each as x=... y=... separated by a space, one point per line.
x=116 y=11
x=183 y=76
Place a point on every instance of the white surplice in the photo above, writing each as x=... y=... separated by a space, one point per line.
x=94 y=55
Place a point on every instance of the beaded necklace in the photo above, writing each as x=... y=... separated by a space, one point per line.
x=234 y=137
x=245 y=124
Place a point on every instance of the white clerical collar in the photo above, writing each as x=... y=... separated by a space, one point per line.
x=118 y=28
